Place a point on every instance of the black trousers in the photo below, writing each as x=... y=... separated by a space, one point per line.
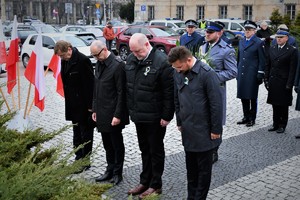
x=83 y=132
x=150 y=138
x=249 y=108
x=115 y=151
x=199 y=169
x=280 y=116
x=108 y=44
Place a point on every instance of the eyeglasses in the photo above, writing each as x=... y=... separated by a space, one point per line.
x=96 y=55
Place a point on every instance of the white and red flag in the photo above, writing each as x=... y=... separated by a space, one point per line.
x=2 y=45
x=12 y=58
x=35 y=73
x=55 y=66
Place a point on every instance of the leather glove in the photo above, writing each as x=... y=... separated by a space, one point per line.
x=266 y=84
x=260 y=77
x=296 y=89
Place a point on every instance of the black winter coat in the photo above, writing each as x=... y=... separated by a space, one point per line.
x=198 y=103
x=77 y=77
x=110 y=94
x=150 y=88
x=280 y=73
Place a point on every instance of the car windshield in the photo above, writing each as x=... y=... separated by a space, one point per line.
x=97 y=32
x=160 y=33
x=180 y=24
x=75 y=41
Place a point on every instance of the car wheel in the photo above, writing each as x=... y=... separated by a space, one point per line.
x=25 y=60
x=123 y=52
x=162 y=49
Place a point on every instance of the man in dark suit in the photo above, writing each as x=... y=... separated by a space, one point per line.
x=251 y=66
x=78 y=78
x=199 y=117
x=109 y=108
x=280 y=74
x=191 y=39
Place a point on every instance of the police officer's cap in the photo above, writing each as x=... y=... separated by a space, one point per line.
x=213 y=26
x=191 y=22
x=221 y=23
x=250 y=24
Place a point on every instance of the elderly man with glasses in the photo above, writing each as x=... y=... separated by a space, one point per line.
x=191 y=39
x=77 y=77
x=109 y=108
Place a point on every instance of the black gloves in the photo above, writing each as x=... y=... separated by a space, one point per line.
x=260 y=77
x=296 y=89
x=266 y=83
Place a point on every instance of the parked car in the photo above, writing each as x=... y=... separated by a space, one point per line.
x=233 y=37
x=157 y=37
x=171 y=23
x=49 y=40
x=88 y=37
x=234 y=25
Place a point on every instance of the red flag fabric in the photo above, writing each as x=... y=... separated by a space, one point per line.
x=12 y=58
x=35 y=73
x=55 y=66
x=2 y=46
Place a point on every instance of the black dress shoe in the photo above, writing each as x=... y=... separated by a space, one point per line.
x=116 y=179
x=273 y=129
x=280 y=130
x=250 y=123
x=215 y=157
x=297 y=136
x=243 y=121
x=105 y=177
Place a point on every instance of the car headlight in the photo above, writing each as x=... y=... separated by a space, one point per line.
x=172 y=41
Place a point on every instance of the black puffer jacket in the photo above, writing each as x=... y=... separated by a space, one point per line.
x=150 y=89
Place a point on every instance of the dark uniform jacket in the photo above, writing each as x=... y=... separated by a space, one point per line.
x=192 y=42
x=77 y=77
x=150 y=88
x=280 y=73
x=110 y=94
x=198 y=104
x=251 y=60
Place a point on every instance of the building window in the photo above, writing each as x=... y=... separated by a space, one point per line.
x=223 y=12
x=179 y=12
x=247 y=12
x=200 y=13
x=151 y=13
x=290 y=10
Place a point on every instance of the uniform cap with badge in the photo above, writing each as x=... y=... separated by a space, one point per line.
x=250 y=24
x=191 y=23
x=213 y=27
x=281 y=33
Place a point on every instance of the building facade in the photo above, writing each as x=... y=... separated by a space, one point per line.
x=213 y=9
x=60 y=11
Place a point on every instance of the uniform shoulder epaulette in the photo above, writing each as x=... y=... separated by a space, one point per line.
x=206 y=67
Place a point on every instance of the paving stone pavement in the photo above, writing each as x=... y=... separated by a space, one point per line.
x=253 y=163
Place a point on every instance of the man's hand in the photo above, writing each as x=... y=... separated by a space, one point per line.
x=179 y=128
x=214 y=136
x=115 y=121
x=164 y=123
x=94 y=117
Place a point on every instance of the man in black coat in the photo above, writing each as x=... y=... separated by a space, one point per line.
x=199 y=114
x=280 y=74
x=109 y=108
x=150 y=98
x=77 y=77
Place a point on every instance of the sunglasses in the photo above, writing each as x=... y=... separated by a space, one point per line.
x=96 y=55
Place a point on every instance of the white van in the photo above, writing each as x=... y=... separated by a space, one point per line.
x=174 y=24
x=234 y=25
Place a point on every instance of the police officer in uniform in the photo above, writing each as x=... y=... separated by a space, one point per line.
x=251 y=65
x=223 y=37
x=222 y=59
x=280 y=74
x=191 y=39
